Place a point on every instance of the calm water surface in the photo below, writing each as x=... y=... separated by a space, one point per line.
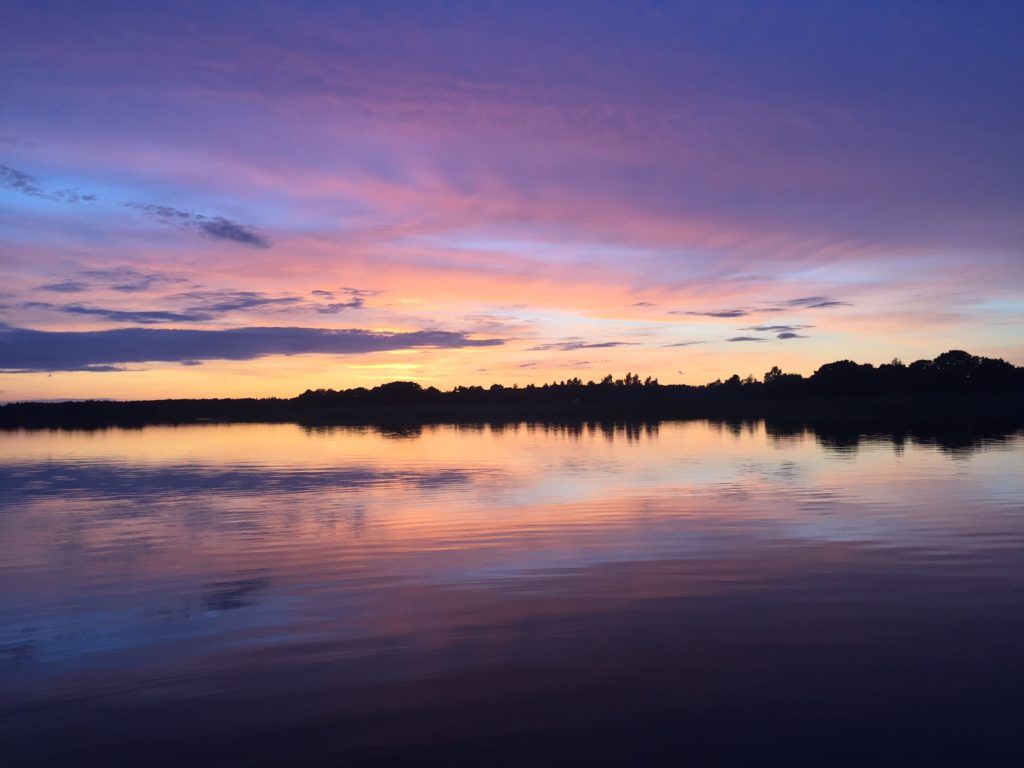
x=686 y=593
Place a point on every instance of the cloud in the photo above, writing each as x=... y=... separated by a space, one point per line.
x=20 y=181
x=339 y=306
x=746 y=338
x=498 y=324
x=644 y=304
x=195 y=306
x=123 y=280
x=127 y=280
x=66 y=286
x=142 y=317
x=683 y=344
x=715 y=313
x=816 y=302
x=356 y=299
x=804 y=302
x=25 y=350
x=220 y=302
x=569 y=346
x=790 y=335
x=27 y=184
x=225 y=229
x=216 y=227
x=776 y=328
x=224 y=301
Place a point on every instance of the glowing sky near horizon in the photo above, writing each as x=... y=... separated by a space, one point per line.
x=203 y=199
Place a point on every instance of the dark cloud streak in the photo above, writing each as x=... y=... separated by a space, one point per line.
x=66 y=286
x=27 y=184
x=776 y=328
x=683 y=344
x=816 y=302
x=27 y=350
x=569 y=346
x=724 y=313
x=216 y=227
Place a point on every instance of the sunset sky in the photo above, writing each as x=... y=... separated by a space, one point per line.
x=255 y=199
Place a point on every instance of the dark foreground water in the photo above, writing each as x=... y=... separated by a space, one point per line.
x=685 y=594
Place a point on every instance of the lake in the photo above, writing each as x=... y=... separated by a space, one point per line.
x=692 y=592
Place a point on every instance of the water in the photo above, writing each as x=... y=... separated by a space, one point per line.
x=686 y=592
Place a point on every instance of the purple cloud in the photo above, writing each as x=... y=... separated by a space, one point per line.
x=23 y=349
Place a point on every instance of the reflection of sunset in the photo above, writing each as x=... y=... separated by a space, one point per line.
x=519 y=496
x=242 y=578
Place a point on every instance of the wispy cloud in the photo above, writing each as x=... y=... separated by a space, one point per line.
x=785 y=335
x=27 y=184
x=776 y=328
x=216 y=227
x=569 y=346
x=193 y=306
x=804 y=302
x=127 y=280
x=65 y=286
x=816 y=302
x=124 y=280
x=726 y=313
x=140 y=317
x=224 y=301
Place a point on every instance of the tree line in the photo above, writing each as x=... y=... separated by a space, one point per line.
x=952 y=373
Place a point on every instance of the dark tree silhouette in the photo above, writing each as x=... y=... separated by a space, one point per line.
x=955 y=374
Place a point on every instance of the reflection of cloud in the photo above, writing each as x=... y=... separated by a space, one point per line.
x=228 y=595
x=216 y=227
x=44 y=479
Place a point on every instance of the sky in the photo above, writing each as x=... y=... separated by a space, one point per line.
x=202 y=199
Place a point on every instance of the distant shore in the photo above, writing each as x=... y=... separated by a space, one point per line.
x=954 y=388
x=1007 y=409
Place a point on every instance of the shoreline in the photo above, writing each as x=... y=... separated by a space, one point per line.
x=1004 y=409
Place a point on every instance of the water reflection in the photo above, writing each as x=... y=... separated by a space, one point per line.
x=713 y=592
